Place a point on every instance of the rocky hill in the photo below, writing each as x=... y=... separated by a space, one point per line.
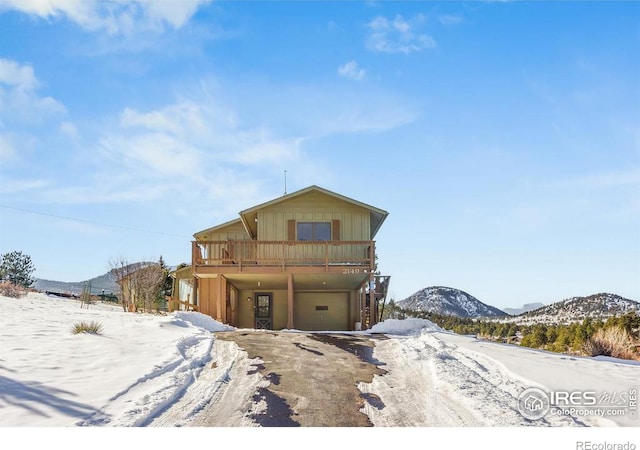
x=576 y=309
x=449 y=301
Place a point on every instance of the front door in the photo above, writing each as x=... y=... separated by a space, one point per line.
x=263 y=312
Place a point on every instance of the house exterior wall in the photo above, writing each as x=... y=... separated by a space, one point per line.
x=182 y=288
x=314 y=207
x=205 y=291
x=342 y=309
x=209 y=297
x=354 y=308
x=245 y=309
x=278 y=308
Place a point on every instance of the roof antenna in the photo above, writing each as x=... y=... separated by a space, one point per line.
x=285 y=182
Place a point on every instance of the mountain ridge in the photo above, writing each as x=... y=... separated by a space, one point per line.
x=449 y=301
x=106 y=282
x=598 y=306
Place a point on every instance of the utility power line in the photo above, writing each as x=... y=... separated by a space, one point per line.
x=73 y=219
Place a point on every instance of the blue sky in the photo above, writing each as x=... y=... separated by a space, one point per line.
x=502 y=137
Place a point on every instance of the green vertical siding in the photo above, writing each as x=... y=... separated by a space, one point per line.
x=355 y=224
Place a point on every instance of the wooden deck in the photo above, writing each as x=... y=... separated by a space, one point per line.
x=250 y=255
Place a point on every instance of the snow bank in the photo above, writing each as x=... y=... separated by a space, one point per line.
x=444 y=379
x=182 y=318
x=130 y=374
x=404 y=327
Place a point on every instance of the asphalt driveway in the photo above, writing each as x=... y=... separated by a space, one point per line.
x=312 y=378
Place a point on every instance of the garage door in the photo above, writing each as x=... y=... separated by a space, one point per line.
x=321 y=311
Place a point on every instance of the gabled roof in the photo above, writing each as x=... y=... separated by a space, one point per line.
x=248 y=215
x=183 y=272
x=217 y=227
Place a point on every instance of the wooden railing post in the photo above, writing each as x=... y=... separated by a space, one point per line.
x=284 y=255
x=290 y=314
x=326 y=256
x=372 y=256
x=372 y=302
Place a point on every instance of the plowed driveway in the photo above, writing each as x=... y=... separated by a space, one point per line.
x=312 y=378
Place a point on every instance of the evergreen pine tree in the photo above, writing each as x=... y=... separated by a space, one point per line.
x=167 y=284
x=17 y=268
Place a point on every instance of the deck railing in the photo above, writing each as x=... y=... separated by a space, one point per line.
x=283 y=253
x=175 y=304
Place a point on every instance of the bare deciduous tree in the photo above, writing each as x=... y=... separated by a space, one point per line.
x=122 y=270
x=147 y=285
x=140 y=284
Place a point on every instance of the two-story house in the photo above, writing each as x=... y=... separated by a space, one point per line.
x=304 y=261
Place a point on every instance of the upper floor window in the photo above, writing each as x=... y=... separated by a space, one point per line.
x=314 y=231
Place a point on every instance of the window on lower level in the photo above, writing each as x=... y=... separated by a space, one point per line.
x=314 y=231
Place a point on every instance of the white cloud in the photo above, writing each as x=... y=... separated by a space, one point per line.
x=188 y=150
x=16 y=75
x=398 y=35
x=69 y=129
x=155 y=153
x=351 y=70
x=448 y=19
x=7 y=151
x=154 y=120
x=349 y=110
x=18 y=97
x=176 y=13
x=113 y=16
x=15 y=186
x=271 y=150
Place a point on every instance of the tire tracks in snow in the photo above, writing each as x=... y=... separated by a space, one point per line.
x=431 y=382
x=222 y=394
x=142 y=402
x=408 y=392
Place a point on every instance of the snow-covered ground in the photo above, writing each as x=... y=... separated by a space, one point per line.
x=443 y=379
x=126 y=376
x=163 y=370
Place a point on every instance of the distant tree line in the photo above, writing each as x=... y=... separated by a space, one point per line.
x=617 y=336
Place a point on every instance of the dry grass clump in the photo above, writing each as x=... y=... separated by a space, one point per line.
x=11 y=290
x=87 y=327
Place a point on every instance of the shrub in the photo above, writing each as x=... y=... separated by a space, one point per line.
x=87 y=327
x=11 y=290
x=613 y=341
